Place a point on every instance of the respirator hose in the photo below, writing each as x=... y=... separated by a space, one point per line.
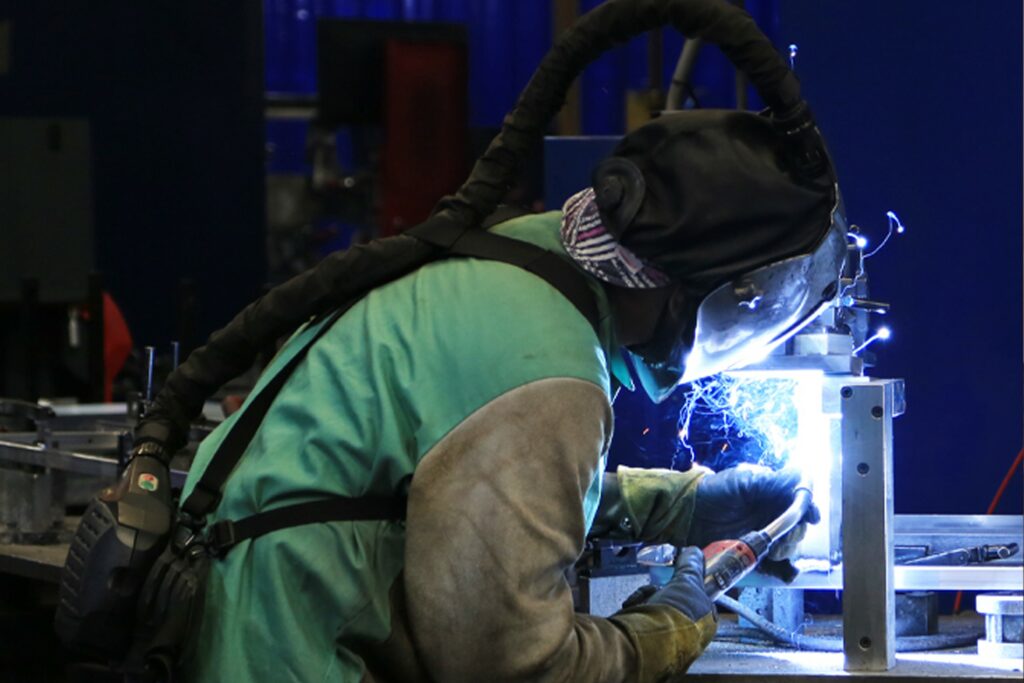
x=343 y=275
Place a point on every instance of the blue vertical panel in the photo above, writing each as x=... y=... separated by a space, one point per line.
x=304 y=37
x=381 y=9
x=276 y=24
x=601 y=92
x=491 y=46
x=531 y=41
x=921 y=105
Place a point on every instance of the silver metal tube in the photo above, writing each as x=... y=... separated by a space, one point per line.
x=792 y=516
x=681 y=76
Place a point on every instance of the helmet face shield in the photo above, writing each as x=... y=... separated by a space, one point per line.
x=742 y=318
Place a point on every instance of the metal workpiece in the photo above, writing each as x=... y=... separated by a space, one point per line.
x=966 y=541
x=869 y=587
x=31 y=504
x=985 y=577
x=781 y=606
x=935 y=534
x=822 y=343
x=917 y=613
x=79 y=441
x=1004 y=626
x=68 y=461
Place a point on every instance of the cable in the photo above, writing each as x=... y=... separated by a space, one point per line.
x=992 y=508
x=939 y=641
x=1006 y=482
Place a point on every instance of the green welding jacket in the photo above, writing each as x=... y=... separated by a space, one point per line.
x=479 y=391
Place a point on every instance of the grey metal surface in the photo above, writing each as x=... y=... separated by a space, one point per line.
x=31 y=504
x=917 y=613
x=943 y=533
x=42 y=562
x=1004 y=625
x=68 y=461
x=1012 y=605
x=603 y=596
x=731 y=662
x=939 y=533
x=994 y=576
x=70 y=440
x=869 y=629
x=782 y=607
x=1000 y=650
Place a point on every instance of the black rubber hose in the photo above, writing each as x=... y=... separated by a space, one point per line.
x=231 y=350
x=939 y=641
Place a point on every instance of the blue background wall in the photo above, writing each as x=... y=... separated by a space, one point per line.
x=173 y=95
x=921 y=104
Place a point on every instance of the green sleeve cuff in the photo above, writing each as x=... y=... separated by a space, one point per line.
x=665 y=639
x=659 y=503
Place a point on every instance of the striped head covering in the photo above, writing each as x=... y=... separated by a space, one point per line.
x=596 y=250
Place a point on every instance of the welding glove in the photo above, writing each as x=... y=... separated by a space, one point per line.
x=746 y=498
x=684 y=591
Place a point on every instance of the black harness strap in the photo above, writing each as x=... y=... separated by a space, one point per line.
x=206 y=494
x=547 y=265
x=225 y=534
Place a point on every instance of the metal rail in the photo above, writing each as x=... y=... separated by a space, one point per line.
x=68 y=461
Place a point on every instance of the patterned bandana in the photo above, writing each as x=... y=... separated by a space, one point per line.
x=597 y=252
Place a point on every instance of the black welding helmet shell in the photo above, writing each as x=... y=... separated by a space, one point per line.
x=727 y=205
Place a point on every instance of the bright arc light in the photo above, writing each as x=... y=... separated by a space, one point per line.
x=895 y=219
x=861 y=241
x=882 y=333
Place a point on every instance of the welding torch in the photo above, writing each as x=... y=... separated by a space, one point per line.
x=728 y=561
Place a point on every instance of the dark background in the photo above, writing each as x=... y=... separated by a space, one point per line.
x=921 y=105
x=920 y=101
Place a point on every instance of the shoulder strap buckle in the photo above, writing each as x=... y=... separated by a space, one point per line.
x=220 y=537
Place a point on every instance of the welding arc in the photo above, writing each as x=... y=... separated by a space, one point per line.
x=1014 y=467
x=938 y=641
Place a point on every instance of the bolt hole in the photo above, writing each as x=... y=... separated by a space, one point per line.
x=863 y=468
x=846 y=392
x=865 y=643
x=877 y=412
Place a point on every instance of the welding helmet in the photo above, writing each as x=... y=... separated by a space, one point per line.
x=742 y=212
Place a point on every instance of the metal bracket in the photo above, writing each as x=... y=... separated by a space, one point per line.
x=869 y=598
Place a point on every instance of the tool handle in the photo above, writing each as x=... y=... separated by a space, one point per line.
x=726 y=562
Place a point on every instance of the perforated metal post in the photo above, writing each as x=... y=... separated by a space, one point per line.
x=869 y=599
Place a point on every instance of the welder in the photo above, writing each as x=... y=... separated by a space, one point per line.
x=477 y=392
x=483 y=390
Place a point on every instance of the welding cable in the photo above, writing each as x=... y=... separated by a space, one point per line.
x=1015 y=466
x=343 y=276
x=938 y=641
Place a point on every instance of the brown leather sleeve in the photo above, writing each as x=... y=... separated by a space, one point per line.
x=495 y=519
x=659 y=503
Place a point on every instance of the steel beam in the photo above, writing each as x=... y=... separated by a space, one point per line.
x=68 y=461
x=869 y=595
